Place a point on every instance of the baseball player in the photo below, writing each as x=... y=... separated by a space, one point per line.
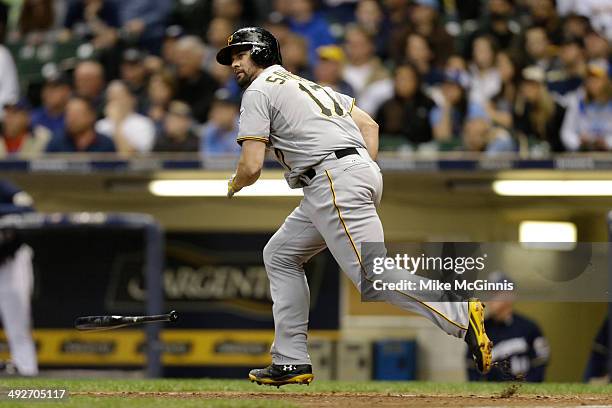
x=16 y=283
x=328 y=147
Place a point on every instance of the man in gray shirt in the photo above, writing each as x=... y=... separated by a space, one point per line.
x=328 y=147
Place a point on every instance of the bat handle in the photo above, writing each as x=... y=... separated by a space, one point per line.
x=172 y=316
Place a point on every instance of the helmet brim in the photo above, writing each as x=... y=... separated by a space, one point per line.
x=224 y=56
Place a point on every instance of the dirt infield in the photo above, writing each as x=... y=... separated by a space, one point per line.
x=369 y=400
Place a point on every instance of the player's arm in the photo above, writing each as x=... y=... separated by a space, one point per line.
x=249 y=166
x=253 y=136
x=369 y=130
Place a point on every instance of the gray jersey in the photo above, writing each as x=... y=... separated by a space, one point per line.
x=302 y=121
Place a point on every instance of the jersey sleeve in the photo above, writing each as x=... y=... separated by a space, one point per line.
x=347 y=102
x=254 y=117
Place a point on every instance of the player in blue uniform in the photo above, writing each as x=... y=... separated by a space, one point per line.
x=16 y=283
x=597 y=367
x=520 y=350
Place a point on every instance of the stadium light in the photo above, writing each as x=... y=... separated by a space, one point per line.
x=218 y=188
x=553 y=235
x=596 y=188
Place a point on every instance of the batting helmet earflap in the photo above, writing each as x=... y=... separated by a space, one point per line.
x=265 y=50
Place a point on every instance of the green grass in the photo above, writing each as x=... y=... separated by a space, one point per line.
x=203 y=385
x=412 y=387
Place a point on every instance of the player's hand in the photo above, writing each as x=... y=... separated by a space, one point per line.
x=231 y=187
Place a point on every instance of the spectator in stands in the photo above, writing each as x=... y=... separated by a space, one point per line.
x=398 y=12
x=192 y=16
x=455 y=62
x=36 y=21
x=80 y=135
x=448 y=117
x=543 y=14
x=177 y=132
x=17 y=135
x=538 y=47
x=278 y=26
x=538 y=117
x=195 y=86
x=499 y=25
x=576 y=26
x=134 y=74
x=232 y=10
x=295 y=56
x=55 y=95
x=144 y=22
x=596 y=46
x=89 y=83
x=370 y=16
x=480 y=135
x=517 y=340
x=570 y=67
x=9 y=83
x=500 y=108
x=419 y=53
x=282 y=9
x=425 y=20
x=169 y=44
x=306 y=22
x=406 y=114
x=220 y=132
x=96 y=20
x=598 y=12
x=218 y=32
x=588 y=120
x=365 y=72
x=486 y=81
x=91 y=13
x=328 y=71
x=160 y=92
x=131 y=131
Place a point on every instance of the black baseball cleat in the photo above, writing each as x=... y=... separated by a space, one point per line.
x=282 y=374
x=476 y=338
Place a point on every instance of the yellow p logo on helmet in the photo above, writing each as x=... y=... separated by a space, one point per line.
x=229 y=39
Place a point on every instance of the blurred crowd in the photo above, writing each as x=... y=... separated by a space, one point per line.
x=529 y=76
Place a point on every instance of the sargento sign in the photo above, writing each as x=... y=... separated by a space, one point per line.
x=213 y=283
x=66 y=347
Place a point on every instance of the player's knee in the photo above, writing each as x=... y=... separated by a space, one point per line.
x=276 y=259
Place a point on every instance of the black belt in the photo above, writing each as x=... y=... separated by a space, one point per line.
x=310 y=173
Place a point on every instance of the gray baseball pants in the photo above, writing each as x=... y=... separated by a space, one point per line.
x=16 y=283
x=338 y=211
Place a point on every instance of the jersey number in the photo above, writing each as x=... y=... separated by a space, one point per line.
x=324 y=109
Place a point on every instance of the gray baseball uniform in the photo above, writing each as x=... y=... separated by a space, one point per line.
x=16 y=283
x=306 y=125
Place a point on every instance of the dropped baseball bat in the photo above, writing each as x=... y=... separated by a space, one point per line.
x=114 y=322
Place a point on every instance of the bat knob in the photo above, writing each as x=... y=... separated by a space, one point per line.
x=173 y=316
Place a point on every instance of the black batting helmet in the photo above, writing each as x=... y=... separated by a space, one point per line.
x=264 y=47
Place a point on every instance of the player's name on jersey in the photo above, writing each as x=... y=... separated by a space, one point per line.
x=434 y=285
